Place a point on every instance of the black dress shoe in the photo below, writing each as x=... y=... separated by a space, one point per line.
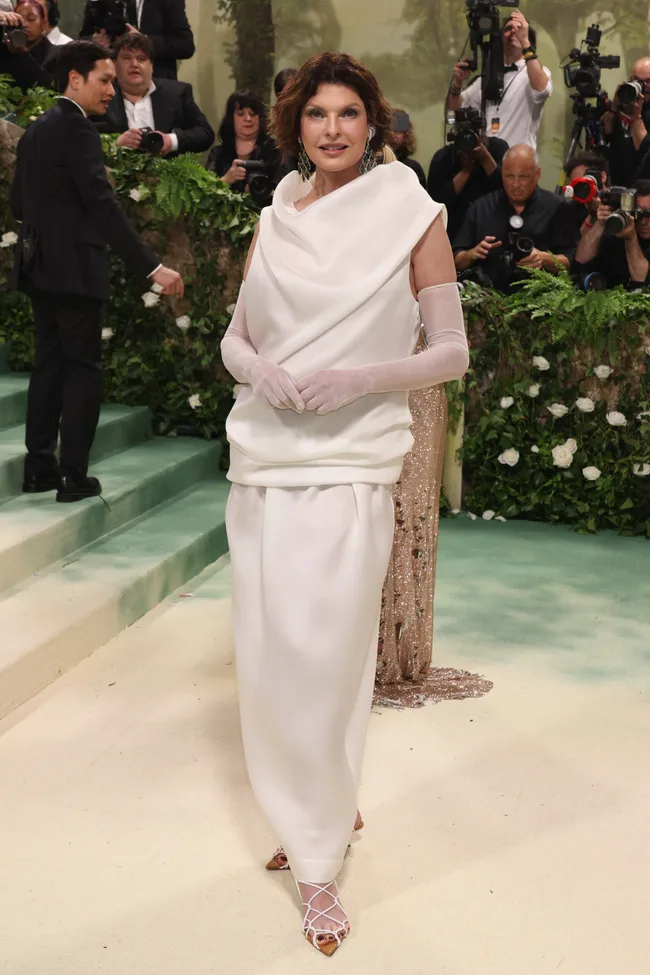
x=77 y=488
x=39 y=483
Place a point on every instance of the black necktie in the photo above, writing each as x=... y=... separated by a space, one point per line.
x=510 y=67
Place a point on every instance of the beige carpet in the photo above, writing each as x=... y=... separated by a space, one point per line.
x=506 y=835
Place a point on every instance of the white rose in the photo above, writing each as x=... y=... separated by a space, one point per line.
x=558 y=410
x=194 y=401
x=571 y=444
x=585 y=404
x=591 y=473
x=9 y=239
x=506 y=402
x=184 y=322
x=562 y=455
x=135 y=195
x=509 y=457
x=541 y=363
x=534 y=449
x=616 y=419
x=157 y=288
x=472 y=516
x=603 y=372
x=150 y=299
x=230 y=309
x=488 y=515
x=107 y=333
x=500 y=518
x=533 y=390
x=641 y=470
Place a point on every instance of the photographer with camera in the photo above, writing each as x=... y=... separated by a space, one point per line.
x=517 y=228
x=616 y=248
x=68 y=216
x=626 y=127
x=158 y=116
x=517 y=115
x=246 y=158
x=467 y=169
x=25 y=52
x=588 y=175
x=164 y=22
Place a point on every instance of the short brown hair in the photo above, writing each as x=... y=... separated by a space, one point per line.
x=134 y=41
x=328 y=68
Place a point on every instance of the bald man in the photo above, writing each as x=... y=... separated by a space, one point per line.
x=490 y=231
x=630 y=157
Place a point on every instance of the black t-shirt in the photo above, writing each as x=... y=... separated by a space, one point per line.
x=626 y=163
x=221 y=159
x=611 y=262
x=417 y=169
x=547 y=219
x=440 y=184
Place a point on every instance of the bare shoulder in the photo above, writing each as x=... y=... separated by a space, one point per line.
x=432 y=259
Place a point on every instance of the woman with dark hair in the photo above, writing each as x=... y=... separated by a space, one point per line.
x=242 y=137
x=404 y=144
x=345 y=269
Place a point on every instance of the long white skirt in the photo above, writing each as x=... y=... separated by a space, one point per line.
x=308 y=566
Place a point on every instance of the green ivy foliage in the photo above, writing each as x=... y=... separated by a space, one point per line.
x=574 y=333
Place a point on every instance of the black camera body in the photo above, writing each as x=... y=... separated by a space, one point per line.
x=152 y=142
x=583 y=72
x=624 y=204
x=483 y=16
x=259 y=180
x=14 y=37
x=519 y=246
x=110 y=16
x=468 y=129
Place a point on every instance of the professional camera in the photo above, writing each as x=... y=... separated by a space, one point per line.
x=259 y=181
x=468 y=128
x=628 y=93
x=585 y=188
x=584 y=67
x=485 y=35
x=519 y=246
x=623 y=203
x=109 y=15
x=152 y=142
x=483 y=17
x=14 y=37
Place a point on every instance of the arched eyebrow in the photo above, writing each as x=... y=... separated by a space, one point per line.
x=313 y=104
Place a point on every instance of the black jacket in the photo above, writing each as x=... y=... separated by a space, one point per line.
x=174 y=110
x=68 y=210
x=166 y=25
x=33 y=67
x=445 y=165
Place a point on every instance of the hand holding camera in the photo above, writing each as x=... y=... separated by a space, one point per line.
x=14 y=38
x=462 y=73
x=235 y=173
x=481 y=251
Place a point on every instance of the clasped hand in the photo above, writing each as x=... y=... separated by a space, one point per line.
x=321 y=392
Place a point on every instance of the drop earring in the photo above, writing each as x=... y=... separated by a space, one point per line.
x=368 y=160
x=304 y=163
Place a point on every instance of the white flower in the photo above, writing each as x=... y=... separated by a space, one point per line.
x=488 y=515
x=534 y=449
x=9 y=239
x=455 y=511
x=591 y=473
x=647 y=350
x=184 y=322
x=641 y=470
x=585 y=404
x=230 y=309
x=571 y=444
x=500 y=518
x=506 y=402
x=509 y=457
x=642 y=416
x=107 y=333
x=603 y=372
x=533 y=390
x=150 y=299
x=541 y=363
x=157 y=288
x=135 y=195
x=558 y=410
x=616 y=419
x=562 y=455
x=472 y=516
x=194 y=401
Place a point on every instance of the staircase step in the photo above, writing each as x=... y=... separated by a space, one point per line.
x=4 y=357
x=53 y=622
x=13 y=398
x=36 y=531
x=119 y=427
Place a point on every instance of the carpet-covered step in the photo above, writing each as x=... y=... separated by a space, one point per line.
x=36 y=531
x=51 y=622
x=119 y=427
x=13 y=398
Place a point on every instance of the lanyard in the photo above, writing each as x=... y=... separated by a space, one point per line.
x=507 y=87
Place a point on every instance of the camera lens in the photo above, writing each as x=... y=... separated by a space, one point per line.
x=628 y=92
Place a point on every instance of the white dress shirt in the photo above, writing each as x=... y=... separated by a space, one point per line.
x=140 y=115
x=56 y=36
x=520 y=109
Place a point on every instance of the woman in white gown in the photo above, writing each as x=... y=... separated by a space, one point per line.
x=322 y=341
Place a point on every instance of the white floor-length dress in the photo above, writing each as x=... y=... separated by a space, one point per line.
x=310 y=517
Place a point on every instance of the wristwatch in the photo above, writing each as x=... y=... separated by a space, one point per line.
x=529 y=53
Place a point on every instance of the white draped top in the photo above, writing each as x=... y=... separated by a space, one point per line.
x=329 y=288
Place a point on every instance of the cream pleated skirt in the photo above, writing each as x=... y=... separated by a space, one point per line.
x=308 y=566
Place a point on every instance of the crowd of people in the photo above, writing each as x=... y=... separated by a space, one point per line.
x=500 y=222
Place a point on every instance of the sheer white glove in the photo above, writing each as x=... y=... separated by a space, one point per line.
x=273 y=384
x=330 y=389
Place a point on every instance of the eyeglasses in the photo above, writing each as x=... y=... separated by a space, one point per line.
x=643 y=81
x=643 y=214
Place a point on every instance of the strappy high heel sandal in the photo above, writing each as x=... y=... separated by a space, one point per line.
x=279 y=859
x=325 y=940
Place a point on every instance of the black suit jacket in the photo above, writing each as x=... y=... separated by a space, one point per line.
x=166 y=25
x=68 y=210
x=174 y=110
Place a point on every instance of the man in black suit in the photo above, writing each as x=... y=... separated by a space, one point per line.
x=68 y=213
x=166 y=106
x=164 y=22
